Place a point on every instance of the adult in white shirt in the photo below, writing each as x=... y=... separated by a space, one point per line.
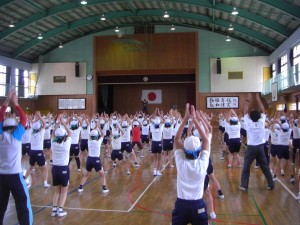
x=255 y=125
x=60 y=142
x=192 y=158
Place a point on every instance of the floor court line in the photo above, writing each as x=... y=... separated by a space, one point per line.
x=288 y=190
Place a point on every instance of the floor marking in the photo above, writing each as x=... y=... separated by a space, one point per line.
x=295 y=197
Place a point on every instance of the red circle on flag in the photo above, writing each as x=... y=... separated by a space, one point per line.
x=151 y=96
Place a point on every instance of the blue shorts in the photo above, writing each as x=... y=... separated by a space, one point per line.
x=60 y=175
x=296 y=143
x=226 y=138
x=105 y=140
x=74 y=150
x=222 y=129
x=156 y=147
x=274 y=150
x=93 y=162
x=234 y=145
x=47 y=144
x=283 y=151
x=84 y=145
x=167 y=144
x=116 y=154
x=189 y=211
x=37 y=156
x=26 y=148
x=243 y=132
x=145 y=139
x=126 y=146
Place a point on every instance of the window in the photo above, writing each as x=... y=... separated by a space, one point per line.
x=280 y=107
x=2 y=80
x=296 y=64
x=292 y=106
x=284 y=72
x=23 y=85
x=273 y=71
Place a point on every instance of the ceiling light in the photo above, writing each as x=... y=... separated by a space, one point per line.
x=228 y=39
x=173 y=27
x=11 y=24
x=230 y=27
x=83 y=2
x=234 y=11
x=102 y=17
x=166 y=15
x=40 y=36
x=117 y=30
x=60 y=45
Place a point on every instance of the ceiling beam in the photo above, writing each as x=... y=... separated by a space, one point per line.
x=123 y=14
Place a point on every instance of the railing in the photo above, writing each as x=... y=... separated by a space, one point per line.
x=285 y=80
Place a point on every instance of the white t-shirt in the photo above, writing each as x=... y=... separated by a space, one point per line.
x=156 y=133
x=145 y=129
x=37 y=140
x=255 y=130
x=275 y=137
x=126 y=137
x=27 y=136
x=296 y=132
x=85 y=133
x=191 y=175
x=61 y=152
x=284 y=137
x=233 y=131
x=75 y=135
x=167 y=132
x=94 y=147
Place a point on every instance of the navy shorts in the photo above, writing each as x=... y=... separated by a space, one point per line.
x=145 y=139
x=26 y=148
x=243 y=132
x=37 y=156
x=274 y=149
x=93 y=162
x=226 y=138
x=47 y=144
x=84 y=145
x=167 y=144
x=296 y=143
x=126 y=146
x=283 y=151
x=234 y=145
x=156 y=147
x=222 y=129
x=105 y=140
x=116 y=154
x=60 y=175
x=189 y=211
x=74 y=149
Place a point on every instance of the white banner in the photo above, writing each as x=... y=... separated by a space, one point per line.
x=152 y=96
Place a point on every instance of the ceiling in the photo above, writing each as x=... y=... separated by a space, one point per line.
x=264 y=24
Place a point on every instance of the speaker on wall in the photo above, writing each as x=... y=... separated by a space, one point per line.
x=77 y=69
x=219 y=66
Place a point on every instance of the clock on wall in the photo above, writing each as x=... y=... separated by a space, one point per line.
x=89 y=77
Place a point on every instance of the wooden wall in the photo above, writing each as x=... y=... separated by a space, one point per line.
x=127 y=98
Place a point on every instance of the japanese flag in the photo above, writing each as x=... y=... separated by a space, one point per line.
x=152 y=96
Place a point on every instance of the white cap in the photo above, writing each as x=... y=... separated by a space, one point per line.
x=37 y=125
x=276 y=126
x=74 y=122
x=94 y=133
x=167 y=121
x=114 y=117
x=59 y=132
x=282 y=118
x=156 y=121
x=145 y=122
x=124 y=124
x=191 y=143
x=285 y=126
x=233 y=119
x=10 y=122
x=135 y=123
x=102 y=121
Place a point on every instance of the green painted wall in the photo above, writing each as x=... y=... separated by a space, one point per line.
x=211 y=45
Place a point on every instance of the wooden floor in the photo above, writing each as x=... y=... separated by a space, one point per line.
x=142 y=199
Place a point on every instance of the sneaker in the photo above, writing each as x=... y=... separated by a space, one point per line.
x=242 y=188
x=274 y=178
x=298 y=197
x=142 y=156
x=61 y=213
x=220 y=194
x=79 y=170
x=128 y=172
x=114 y=164
x=158 y=173
x=54 y=213
x=154 y=172
x=229 y=165
x=222 y=156
x=213 y=215
x=136 y=164
x=80 y=190
x=172 y=166
x=46 y=185
x=282 y=172
x=105 y=191
x=292 y=180
x=106 y=171
x=270 y=187
x=292 y=164
x=255 y=167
